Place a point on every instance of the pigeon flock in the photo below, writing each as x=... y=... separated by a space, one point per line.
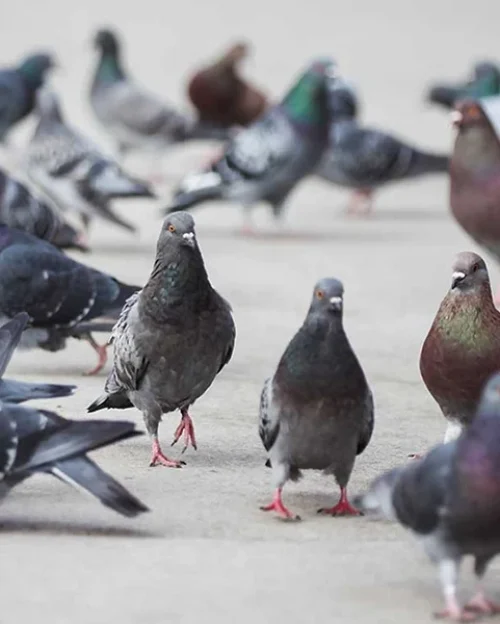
x=172 y=336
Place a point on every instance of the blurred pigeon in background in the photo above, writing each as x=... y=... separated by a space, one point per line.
x=72 y=173
x=265 y=161
x=34 y=441
x=63 y=298
x=18 y=88
x=172 y=338
x=20 y=209
x=462 y=348
x=19 y=391
x=221 y=96
x=484 y=81
x=364 y=159
x=450 y=500
x=316 y=412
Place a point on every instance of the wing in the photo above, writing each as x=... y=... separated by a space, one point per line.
x=368 y=423
x=10 y=335
x=268 y=416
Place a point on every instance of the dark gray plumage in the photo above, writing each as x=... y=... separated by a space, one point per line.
x=172 y=338
x=40 y=441
x=317 y=412
x=483 y=81
x=364 y=159
x=71 y=172
x=18 y=88
x=20 y=209
x=12 y=391
x=450 y=500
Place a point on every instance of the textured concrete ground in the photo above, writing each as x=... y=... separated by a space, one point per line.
x=206 y=552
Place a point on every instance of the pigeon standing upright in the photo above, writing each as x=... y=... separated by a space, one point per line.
x=451 y=501
x=221 y=96
x=265 y=161
x=72 y=173
x=20 y=209
x=365 y=159
x=63 y=298
x=462 y=348
x=18 y=88
x=316 y=412
x=172 y=338
x=484 y=81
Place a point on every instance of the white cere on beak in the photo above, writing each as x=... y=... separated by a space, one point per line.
x=189 y=236
x=457 y=275
x=456 y=117
x=336 y=300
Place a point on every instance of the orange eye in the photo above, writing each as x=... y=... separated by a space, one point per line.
x=320 y=294
x=171 y=228
x=474 y=112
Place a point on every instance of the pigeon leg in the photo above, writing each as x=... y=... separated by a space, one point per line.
x=481 y=605
x=102 y=354
x=186 y=426
x=448 y=573
x=158 y=458
x=342 y=508
x=247 y=229
x=361 y=203
x=277 y=505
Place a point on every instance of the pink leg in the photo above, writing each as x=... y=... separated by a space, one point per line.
x=102 y=354
x=186 y=426
x=361 y=203
x=452 y=611
x=158 y=458
x=342 y=508
x=278 y=506
x=481 y=605
x=415 y=455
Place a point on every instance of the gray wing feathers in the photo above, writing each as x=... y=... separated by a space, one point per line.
x=268 y=416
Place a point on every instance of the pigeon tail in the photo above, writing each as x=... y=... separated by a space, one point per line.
x=196 y=189
x=424 y=162
x=12 y=391
x=119 y=400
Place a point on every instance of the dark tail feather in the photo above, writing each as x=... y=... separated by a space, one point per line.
x=110 y=401
x=104 y=210
x=196 y=189
x=444 y=96
x=83 y=473
x=10 y=335
x=12 y=391
x=424 y=163
x=66 y=237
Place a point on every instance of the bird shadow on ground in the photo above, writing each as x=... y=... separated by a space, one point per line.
x=55 y=527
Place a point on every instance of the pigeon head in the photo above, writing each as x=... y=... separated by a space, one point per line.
x=477 y=146
x=107 y=42
x=342 y=100
x=178 y=230
x=34 y=68
x=47 y=105
x=469 y=273
x=486 y=69
x=237 y=52
x=377 y=501
x=328 y=297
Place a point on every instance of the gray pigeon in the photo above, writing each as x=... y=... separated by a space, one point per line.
x=18 y=88
x=450 y=501
x=71 y=172
x=133 y=117
x=265 y=161
x=365 y=159
x=316 y=412
x=34 y=441
x=20 y=209
x=64 y=298
x=172 y=338
x=19 y=391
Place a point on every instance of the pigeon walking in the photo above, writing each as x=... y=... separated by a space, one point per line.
x=462 y=348
x=134 y=118
x=20 y=209
x=365 y=159
x=18 y=88
x=484 y=81
x=316 y=412
x=172 y=338
x=72 y=173
x=34 y=441
x=63 y=298
x=221 y=96
x=450 y=501
x=12 y=391
x=265 y=161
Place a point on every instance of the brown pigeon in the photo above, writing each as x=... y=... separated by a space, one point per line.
x=475 y=171
x=462 y=348
x=221 y=96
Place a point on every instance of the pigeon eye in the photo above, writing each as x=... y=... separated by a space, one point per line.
x=474 y=112
x=320 y=294
x=171 y=228
x=475 y=268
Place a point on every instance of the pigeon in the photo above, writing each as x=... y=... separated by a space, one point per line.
x=63 y=298
x=448 y=500
x=34 y=441
x=484 y=81
x=171 y=340
x=316 y=412
x=221 y=96
x=462 y=348
x=475 y=171
x=12 y=391
x=20 y=209
x=365 y=159
x=71 y=172
x=134 y=118
x=18 y=88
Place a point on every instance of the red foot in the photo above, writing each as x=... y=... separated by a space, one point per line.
x=456 y=615
x=277 y=506
x=158 y=458
x=186 y=426
x=342 y=508
x=481 y=605
x=361 y=203
x=102 y=354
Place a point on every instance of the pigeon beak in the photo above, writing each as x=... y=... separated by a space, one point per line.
x=456 y=118
x=189 y=239
x=336 y=303
x=456 y=278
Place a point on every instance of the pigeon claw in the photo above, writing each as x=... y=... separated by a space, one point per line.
x=102 y=355
x=159 y=459
x=481 y=605
x=342 y=508
x=186 y=427
x=455 y=615
x=277 y=505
